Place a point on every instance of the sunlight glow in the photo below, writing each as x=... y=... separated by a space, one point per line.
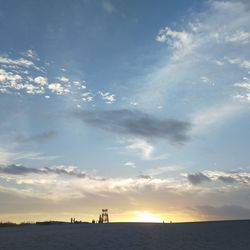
x=147 y=217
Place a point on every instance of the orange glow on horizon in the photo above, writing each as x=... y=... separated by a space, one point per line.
x=146 y=216
x=128 y=216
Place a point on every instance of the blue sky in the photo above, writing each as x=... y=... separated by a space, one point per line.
x=131 y=105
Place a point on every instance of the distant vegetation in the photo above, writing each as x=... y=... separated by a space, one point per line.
x=7 y=224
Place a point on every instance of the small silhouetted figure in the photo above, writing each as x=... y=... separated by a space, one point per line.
x=100 y=219
x=93 y=221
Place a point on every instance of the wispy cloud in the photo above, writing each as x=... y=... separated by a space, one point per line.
x=40 y=137
x=214 y=116
x=108 y=6
x=9 y=155
x=63 y=79
x=241 y=62
x=192 y=51
x=107 y=97
x=245 y=86
x=31 y=54
x=130 y=164
x=58 y=89
x=144 y=148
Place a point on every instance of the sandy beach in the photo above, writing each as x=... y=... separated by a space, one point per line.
x=191 y=236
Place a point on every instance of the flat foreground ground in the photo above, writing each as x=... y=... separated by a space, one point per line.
x=207 y=235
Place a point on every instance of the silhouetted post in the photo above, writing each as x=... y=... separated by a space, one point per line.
x=100 y=219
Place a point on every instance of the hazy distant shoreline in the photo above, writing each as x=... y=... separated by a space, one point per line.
x=49 y=223
x=193 y=235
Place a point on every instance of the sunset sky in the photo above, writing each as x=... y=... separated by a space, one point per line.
x=138 y=106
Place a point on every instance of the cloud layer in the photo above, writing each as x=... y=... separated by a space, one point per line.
x=230 y=177
x=64 y=185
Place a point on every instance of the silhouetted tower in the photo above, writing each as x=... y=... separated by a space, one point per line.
x=105 y=216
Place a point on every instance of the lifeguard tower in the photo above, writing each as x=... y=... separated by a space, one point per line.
x=104 y=216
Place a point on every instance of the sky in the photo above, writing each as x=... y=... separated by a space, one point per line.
x=141 y=107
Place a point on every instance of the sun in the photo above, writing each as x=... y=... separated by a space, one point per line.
x=145 y=216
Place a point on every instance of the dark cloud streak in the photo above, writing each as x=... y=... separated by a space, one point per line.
x=21 y=170
x=226 y=179
x=41 y=137
x=197 y=178
x=136 y=123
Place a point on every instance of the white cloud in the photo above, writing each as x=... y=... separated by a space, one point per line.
x=107 y=97
x=218 y=62
x=41 y=80
x=134 y=103
x=70 y=181
x=86 y=94
x=6 y=77
x=79 y=85
x=58 y=88
x=9 y=81
x=245 y=85
x=205 y=79
x=87 y=97
x=14 y=79
x=32 y=89
x=130 y=164
x=240 y=36
x=176 y=39
x=31 y=54
x=63 y=79
x=20 y=62
x=245 y=64
x=144 y=148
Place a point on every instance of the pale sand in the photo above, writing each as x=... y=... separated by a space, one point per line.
x=191 y=236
